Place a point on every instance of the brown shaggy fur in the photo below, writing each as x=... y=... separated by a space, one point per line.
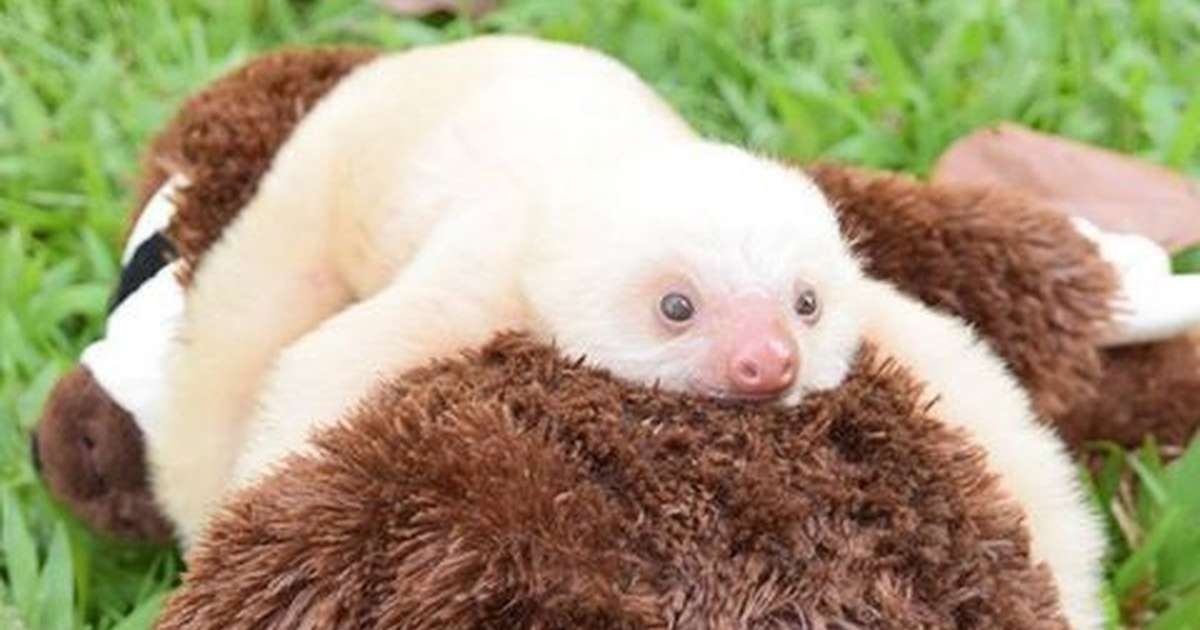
x=516 y=489
x=1022 y=275
x=1148 y=390
x=224 y=138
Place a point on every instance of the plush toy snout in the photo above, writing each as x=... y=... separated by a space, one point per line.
x=89 y=451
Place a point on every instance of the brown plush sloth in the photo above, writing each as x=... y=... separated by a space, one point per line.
x=513 y=488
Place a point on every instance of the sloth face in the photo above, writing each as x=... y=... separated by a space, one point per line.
x=706 y=270
x=751 y=340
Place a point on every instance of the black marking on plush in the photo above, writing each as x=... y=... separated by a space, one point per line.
x=152 y=255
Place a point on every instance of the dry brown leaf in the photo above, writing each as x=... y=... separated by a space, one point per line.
x=1116 y=192
x=417 y=8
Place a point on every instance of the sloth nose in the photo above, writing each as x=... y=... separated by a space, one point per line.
x=764 y=366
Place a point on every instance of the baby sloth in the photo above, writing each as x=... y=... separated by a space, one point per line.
x=439 y=196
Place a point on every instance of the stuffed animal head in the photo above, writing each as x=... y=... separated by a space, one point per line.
x=224 y=139
x=89 y=451
x=89 y=443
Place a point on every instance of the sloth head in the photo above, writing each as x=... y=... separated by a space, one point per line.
x=700 y=268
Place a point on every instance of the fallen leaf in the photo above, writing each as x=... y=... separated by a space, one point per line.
x=417 y=8
x=1116 y=192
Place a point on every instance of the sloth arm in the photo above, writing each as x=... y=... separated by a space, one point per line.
x=253 y=294
x=974 y=391
x=459 y=290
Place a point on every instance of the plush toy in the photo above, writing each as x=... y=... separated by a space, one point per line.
x=89 y=444
x=513 y=488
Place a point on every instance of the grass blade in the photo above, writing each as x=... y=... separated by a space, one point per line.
x=1139 y=566
x=142 y=617
x=56 y=597
x=20 y=556
x=1184 y=615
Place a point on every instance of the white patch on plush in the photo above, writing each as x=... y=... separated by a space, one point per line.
x=155 y=217
x=1152 y=304
x=129 y=362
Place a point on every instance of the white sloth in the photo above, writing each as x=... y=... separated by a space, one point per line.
x=438 y=196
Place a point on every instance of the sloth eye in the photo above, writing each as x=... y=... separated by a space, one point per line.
x=807 y=305
x=676 y=307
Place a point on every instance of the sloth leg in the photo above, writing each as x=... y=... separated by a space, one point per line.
x=973 y=391
x=458 y=291
x=269 y=280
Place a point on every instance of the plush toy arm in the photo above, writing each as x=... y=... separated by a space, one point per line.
x=1025 y=279
x=1152 y=304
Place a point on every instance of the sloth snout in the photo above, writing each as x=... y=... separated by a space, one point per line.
x=763 y=367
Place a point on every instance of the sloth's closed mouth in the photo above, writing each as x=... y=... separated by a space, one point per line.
x=726 y=395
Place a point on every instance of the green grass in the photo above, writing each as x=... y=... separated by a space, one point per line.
x=85 y=83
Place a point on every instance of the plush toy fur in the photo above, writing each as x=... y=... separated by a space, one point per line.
x=515 y=489
x=222 y=140
x=1030 y=284
x=91 y=454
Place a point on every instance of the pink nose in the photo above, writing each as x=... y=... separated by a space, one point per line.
x=765 y=366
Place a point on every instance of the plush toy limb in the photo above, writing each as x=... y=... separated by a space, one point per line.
x=455 y=294
x=224 y=138
x=253 y=295
x=973 y=390
x=1151 y=304
x=1021 y=274
x=1150 y=389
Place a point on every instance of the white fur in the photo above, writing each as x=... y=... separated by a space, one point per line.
x=1152 y=304
x=455 y=191
x=975 y=391
x=155 y=215
x=129 y=360
x=410 y=156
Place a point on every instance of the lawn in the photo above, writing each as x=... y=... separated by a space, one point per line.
x=889 y=83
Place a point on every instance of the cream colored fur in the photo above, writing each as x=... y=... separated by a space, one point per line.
x=362 y=192
x=438 y=196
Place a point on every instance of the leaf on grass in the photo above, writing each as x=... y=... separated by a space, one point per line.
x=418 y=8
x=1116 y=192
